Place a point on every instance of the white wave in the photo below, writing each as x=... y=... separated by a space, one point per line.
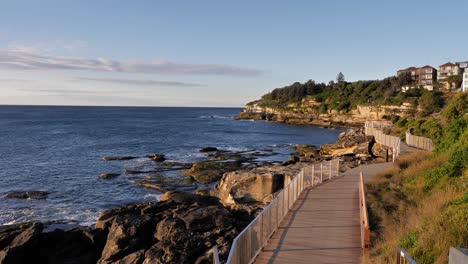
x=216 y=117
x=153 y=197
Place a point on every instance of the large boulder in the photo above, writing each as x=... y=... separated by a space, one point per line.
x=108 y=175
x=208 y=171
x=128 y=234
x=350 y=143
x=156 y=157
x=208 y=149
x=256 y=185
x=42 y=243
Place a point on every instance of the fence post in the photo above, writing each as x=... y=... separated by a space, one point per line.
x=313 y=174
x=321 y=172
x=330 y=170
x=337 y=167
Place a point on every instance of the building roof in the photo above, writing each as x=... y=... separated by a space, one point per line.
x=409 y=69
x=448 y=64
x=427 y=66
x=463 y=64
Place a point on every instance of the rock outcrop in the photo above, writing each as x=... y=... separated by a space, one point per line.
x=42 y=243
x=108 y=175
x=306 y=112
x=182 y=228
x=107 y=158
x=27 y=195
x=208 y=171
x=256 y=185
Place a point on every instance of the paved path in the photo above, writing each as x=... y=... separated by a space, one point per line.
x=323 y=225
x=404 y=148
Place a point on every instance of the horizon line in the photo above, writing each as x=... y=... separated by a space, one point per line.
x=129 y=106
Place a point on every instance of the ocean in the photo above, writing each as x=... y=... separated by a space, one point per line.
x=59 y=149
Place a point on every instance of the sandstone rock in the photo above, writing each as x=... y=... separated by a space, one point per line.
x=156 y=157
x=209 y=171
x=27 y=195
x=127 y=234
x=254 y=185
x=108 y=175
x=292 y=160
x=30 y=243
x=164 y=184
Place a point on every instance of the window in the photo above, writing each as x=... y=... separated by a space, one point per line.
x=429 y=76
x=429 y=82
x=428 y=70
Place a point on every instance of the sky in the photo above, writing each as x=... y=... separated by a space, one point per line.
x=212 y=53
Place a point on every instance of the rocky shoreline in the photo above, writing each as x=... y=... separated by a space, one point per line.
x=210 y=205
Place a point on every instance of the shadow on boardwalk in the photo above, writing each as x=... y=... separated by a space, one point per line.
x=323 y=225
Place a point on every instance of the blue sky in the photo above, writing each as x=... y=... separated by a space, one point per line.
x=212 y=53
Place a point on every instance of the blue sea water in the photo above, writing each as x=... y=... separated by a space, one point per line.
x=59 y=149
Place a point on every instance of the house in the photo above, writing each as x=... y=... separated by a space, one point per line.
x=465 y=81
x=464 y=66
x=445 y=71
x=422 y=77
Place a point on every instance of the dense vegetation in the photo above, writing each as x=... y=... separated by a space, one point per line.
x=344 y=96
x=421 y=203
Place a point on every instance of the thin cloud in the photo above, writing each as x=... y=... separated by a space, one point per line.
x=14 y=80
x=22 y=60
x=139 y=82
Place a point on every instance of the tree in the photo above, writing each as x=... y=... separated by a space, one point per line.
x=404 y=79
x=340 y=77
x=454 y=81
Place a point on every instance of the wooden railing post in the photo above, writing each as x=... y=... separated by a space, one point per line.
x=330 y=170
x=337 y=167
x=321 y=172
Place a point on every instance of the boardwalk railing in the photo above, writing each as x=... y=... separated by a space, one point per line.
x=403 y=257
x=379 y=124
x=419 y=142
x=248 y=244
x=365 y=230
x=374 y=129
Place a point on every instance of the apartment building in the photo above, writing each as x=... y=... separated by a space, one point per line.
x=422 y=77
x=446 y=70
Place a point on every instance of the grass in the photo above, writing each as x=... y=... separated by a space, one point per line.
x=419 y=206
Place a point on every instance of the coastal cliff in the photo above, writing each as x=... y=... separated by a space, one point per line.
x=343 y=103
x=307 y=112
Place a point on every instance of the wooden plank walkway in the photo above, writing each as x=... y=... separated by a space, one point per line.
x=323 y=225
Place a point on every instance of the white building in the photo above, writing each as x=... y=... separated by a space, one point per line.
x=465 y=81
x=464 y=65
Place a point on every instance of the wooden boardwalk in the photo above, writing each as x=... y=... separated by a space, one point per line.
x=323 y=225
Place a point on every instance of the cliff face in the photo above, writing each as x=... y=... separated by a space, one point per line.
x=306 y=113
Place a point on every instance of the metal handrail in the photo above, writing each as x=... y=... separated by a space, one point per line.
x=403 y=257
x=365 y=230
x=215 y=255
x=250 y=241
